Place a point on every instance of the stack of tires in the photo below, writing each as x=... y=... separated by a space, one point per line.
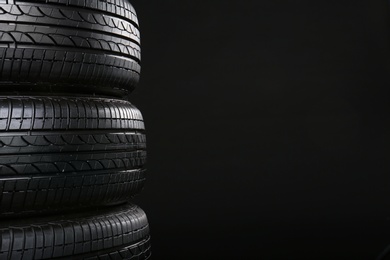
x=72 y=148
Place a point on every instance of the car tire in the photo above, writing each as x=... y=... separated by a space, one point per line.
x=60 y=153
x=80 y=47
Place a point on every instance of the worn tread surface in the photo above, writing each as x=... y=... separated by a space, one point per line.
x=113 y=233
x=61 y=153
x=61 y=46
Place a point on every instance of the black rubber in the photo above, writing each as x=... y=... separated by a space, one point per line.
x=112 y=233
x=62 y=152
x=69 y=46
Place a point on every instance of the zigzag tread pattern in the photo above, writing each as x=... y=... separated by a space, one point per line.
x=46 y=238
x=34 y=35
x=70 y=163
x=44 y=143
x=36 y=14
x=122 y=8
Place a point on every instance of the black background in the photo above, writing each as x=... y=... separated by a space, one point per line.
x=267 y=125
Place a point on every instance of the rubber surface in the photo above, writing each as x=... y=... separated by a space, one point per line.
x=63 y=152
x=113 y=233
x=69 y=46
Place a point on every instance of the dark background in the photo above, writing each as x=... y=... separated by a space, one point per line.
x=267 y=125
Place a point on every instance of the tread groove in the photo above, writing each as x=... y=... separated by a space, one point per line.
x=70 y=28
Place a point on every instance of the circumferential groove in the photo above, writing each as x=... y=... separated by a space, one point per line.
x=49 y=47
x=35 y=24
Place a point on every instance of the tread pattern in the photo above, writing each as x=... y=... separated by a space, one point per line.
x=140 y=251
x=78 y=235
x=11 y=165
x=79 y=45
x=68 y=113
x=68 y=17
x=41 y=35
x=121 y=8
x=40 y=194
x=57 y=142
x=31 y=70
x=63 y=152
